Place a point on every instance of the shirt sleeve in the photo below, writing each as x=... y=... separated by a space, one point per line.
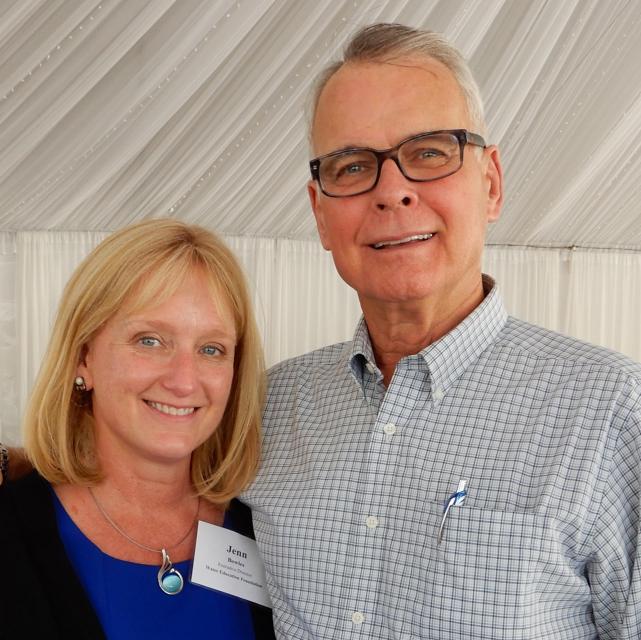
x=614 y=571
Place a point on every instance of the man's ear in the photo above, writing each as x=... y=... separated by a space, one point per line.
x=494 y=181
x=313 y=190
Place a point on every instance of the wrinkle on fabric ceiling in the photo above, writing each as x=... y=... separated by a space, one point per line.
x=117 y=110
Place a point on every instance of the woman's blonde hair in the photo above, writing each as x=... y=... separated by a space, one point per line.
x=149 y=259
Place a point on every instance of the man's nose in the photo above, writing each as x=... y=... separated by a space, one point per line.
x=394 y=189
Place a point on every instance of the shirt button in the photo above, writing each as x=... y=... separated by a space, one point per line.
x=370 y=367
x=389 y=428
x=358 y=617
x=438 y=394
x=371 y=522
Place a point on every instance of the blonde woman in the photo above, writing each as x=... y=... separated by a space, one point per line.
x=144 y=419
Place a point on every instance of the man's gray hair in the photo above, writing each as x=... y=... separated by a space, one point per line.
x=387 y=42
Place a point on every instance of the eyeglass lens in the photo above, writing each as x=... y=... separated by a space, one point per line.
x=423 y=158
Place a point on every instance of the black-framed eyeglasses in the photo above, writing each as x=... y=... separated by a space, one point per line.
x=421 y=158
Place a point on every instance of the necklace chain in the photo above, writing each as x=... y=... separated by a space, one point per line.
x=139 y=544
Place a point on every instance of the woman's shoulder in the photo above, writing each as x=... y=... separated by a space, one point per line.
x=25 y=496
x=33 y=554
x=26 y=512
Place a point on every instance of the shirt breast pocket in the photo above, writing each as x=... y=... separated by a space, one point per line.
x=496 y=574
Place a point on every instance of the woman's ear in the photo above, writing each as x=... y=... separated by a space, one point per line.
x=84 y=369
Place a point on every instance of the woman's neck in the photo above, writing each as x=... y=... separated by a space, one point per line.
x=155 y=505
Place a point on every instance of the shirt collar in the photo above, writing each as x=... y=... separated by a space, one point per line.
x=449 y=357
x=361 y=356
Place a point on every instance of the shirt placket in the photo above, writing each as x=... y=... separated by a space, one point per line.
x=376 y=492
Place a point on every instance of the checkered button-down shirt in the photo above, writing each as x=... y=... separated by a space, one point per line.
x=546 y=432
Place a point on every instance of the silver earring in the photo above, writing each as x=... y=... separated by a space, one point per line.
x=79 y=384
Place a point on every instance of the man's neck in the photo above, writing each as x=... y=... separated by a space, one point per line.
x=398 y=330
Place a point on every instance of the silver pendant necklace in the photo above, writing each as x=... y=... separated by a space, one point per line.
x=170 y=579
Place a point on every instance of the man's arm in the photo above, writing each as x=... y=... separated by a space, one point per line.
x=615 y=569
x=16 y=463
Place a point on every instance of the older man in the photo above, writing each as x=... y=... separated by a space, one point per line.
x=451 y=472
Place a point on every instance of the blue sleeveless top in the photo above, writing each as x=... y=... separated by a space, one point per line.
x=130 y=605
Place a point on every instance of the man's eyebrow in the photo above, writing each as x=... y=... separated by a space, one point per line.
x=354 y=147
x=348 y=147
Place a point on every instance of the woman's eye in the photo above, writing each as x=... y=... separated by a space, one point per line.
x=148 y=341
x=211 y=350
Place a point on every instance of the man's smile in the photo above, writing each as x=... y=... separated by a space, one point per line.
x=394 y=243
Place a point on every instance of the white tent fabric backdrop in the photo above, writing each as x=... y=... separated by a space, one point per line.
x=117 y=110
x=301 y=303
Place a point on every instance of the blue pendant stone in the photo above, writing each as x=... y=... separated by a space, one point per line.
x=172 y=583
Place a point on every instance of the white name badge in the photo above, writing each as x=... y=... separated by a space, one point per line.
x=228 y=561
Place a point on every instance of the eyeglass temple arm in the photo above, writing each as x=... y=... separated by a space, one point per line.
x=475 y=139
